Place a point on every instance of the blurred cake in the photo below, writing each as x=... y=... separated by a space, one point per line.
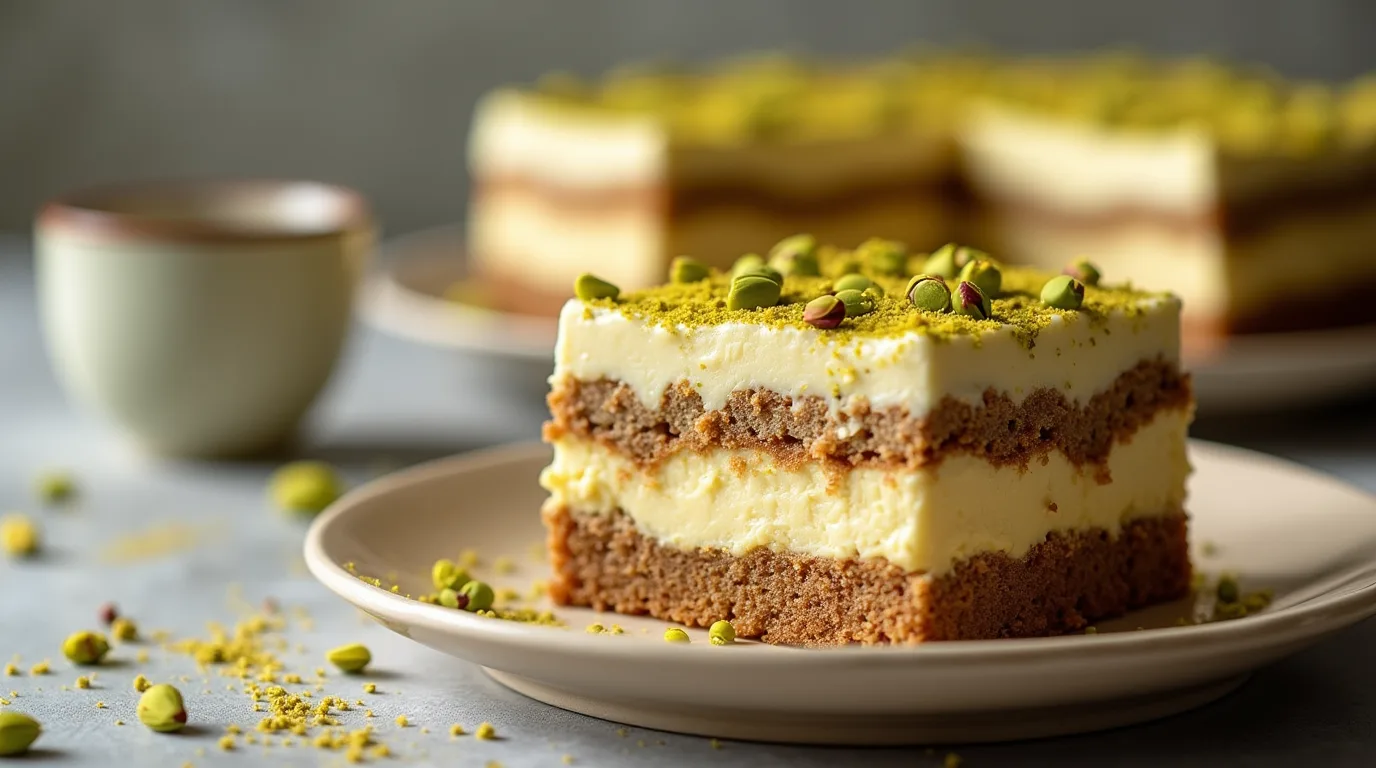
x=837 y=450
x=1208 y=179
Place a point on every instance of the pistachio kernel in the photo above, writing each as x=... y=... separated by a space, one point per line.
x=796 y=255
x=588 y=287
x=1063 y=292
x=108 y=613
x=18 y=535
x=1083 y=271
x=857 y=303
x=849 y=266
x=161 y=708
x=124 y=629
x=450 y=598
x=765 y=271
x=721 y=633
x=1227 y=590
x=874 y=290
x=85 y=647
x=55 y=487
x=948 y=260
x=852 y=282
x=824 y=312
x=887 y=257
x=350 y=658
x=929 y=293
x=18 y=732
x=480 y=596
x=752 y=292
x=685 y=269
x=446 y=574
x=967 y=299
x=305 y=487
x=746 y=263
x=985 y=274
x=675 y=635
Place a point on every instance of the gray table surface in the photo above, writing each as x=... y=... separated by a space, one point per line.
x=394 y=403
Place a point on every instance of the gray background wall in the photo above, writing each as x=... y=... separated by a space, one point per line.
x=377 y=94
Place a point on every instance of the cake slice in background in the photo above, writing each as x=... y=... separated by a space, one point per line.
x=849 y=455
x=1248 y=196
x=619 y=176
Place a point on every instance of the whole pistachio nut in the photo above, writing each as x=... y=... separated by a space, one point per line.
x=875 y=289
x=985 y=274
x=447 y=574
x=161 y=708
x=450 y=598
x=849 y=266
x=1227 y=590
x=18 y=732
x=480 y=596
x=1063 y=292
x=686 y=269
x=824 y=312
x=967 y=299
x=929 y=292
x=852 y=282
x=796 y=255
x=721 y=633
x=887 y=257
x=857 y=303
x=1083 y=271
x=589 y=287
x=949 y=259
x=305 y=487
x=752 y=292
x=85 y=647
x=763 y=270
x=350 y=658
x=746 y=263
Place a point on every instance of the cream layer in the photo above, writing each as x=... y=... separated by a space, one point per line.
x=924 y=521
x=516 y=135
x=1075 y=354
x=1212 y=278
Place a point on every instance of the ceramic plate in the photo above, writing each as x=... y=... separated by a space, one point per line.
x=1308 y=537
x=1250 y=373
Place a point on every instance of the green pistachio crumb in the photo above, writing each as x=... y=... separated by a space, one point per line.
x=446 y=574
x=675 y=635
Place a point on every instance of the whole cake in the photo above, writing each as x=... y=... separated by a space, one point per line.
x=868 y=446
x=1189 y=174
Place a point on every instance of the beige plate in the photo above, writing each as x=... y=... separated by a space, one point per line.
x=1308 y=537
x=1251 y=373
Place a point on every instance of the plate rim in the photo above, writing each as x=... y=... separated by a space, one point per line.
x=1307 y=621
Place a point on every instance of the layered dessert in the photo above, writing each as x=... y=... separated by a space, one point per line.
x=1190 y=175
x=869 y=446
x=1206 y=179
x=618 y=177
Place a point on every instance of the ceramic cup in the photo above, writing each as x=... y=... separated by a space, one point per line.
x=202 y=316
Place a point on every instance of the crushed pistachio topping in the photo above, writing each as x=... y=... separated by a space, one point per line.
x=1017 y=308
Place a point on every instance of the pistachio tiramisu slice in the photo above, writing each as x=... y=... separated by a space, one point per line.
x=861 y=446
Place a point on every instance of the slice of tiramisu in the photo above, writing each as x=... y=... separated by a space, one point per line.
x=862 y=446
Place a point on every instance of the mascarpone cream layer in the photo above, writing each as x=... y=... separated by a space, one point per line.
x=913 y=370
x=924 y=521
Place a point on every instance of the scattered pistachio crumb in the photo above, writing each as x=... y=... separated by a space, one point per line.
x=370 y=687
x=41 y=668
x=18 y=535
x=227 y=743
x=119 y=722
x=11 y=669
x=485 y=732
x=369 y=713
x=83 y=682
x=596 y=629
x=381 y=750
x=402 y=721
x=622 y=732
x=566 y=759
x=716 y=743
x=616 y=630
x=456 y=730
x=100 y=705
x=142 y=656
